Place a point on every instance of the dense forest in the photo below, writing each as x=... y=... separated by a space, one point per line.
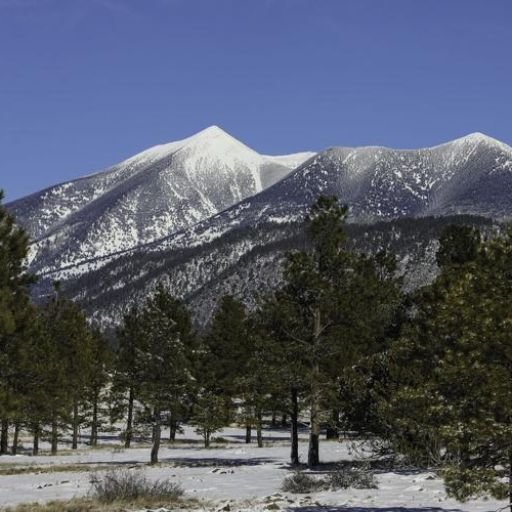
x=339 y=342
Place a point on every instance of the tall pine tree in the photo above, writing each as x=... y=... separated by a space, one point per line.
x=334 y=304
x=165 y=358
x=14 y=283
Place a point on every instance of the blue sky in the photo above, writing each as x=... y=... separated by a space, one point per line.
x=86 y=83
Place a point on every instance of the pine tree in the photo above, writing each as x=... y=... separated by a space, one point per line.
x=14 y=283
x=66 y=342
x=210 y=414
x=223 y=360
x=128 y=369
x=452 y=401
x=15 y=384
x=259 y=380
x=288 y=363
x=227 y=344
x=457 y=246
x=43 y=377
x=165 y=358
x=99 y=376
x=333 y=304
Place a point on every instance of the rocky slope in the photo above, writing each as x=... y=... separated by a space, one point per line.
x=468 y=176
x=144 y=198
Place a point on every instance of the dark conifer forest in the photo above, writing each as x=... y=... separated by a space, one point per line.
x=339 y=344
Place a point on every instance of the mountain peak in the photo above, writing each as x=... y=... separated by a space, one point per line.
x=213 y=143
x=212 y=130
x=211 y=134
x=481 y=138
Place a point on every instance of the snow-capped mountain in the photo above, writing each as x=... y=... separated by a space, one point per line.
x=151 y=195
x=165 y=215
x=469 y=176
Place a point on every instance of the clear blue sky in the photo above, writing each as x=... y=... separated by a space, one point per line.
x=85 y=83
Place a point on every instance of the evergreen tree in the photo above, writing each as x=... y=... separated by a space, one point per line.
x=227 y=344
x=43 y=378
x=223 y=360
x=128 y=369
x=96 y=398
x=288 y=363
x=458 y=245
x=333 y=304
x=209 y=415
x=452 y=400
x=15 y=381
x=165 y=358
x=14 y=283
x=259 y=380
x=66 y=341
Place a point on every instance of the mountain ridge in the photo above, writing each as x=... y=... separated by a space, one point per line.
x=151 y=194
x=288 y=199
x=213 y=253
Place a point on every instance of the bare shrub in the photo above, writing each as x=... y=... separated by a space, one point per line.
x=302 y=483
x=355 y=478
x=344 y=478
x=131 y=486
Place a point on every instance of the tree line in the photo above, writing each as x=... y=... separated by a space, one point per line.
x=338 y=344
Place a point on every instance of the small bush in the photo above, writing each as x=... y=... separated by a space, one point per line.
x=220 y=440
x=302 y=483
x=131 y=486
x=352 y=477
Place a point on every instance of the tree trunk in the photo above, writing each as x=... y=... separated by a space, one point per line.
x=74 y=442
x=295 y=427
x=510 y=479
x=283 y=420
x=157 y=432
x=248 y=433
x=94 y=423
x=207 y=439
x=14 y=449
x=35 y=445
x=54 y=437
x=129 y=421
x=332 y=429
x=273 y=421
x=314 y=435
x=4 y=437
x=259 y=428
x=173 y=427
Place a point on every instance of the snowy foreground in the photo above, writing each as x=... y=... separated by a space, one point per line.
x=230 y=476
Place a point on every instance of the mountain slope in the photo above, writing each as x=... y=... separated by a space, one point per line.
x=469 y=176
x=238 y=249
x=246 y=262
x=146 y=197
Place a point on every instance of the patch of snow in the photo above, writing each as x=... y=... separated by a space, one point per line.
x=234 y=477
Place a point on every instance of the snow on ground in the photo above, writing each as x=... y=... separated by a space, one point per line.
x=230 y=476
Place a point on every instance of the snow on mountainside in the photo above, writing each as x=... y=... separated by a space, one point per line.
x=150 y=218
x=471 y=175
x=151 y=195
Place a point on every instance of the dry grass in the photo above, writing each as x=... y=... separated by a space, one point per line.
x=92 y=505
x=304 y=483
x=126 y=486
x=118 y=491
x=74 y=505
x=18 y=469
